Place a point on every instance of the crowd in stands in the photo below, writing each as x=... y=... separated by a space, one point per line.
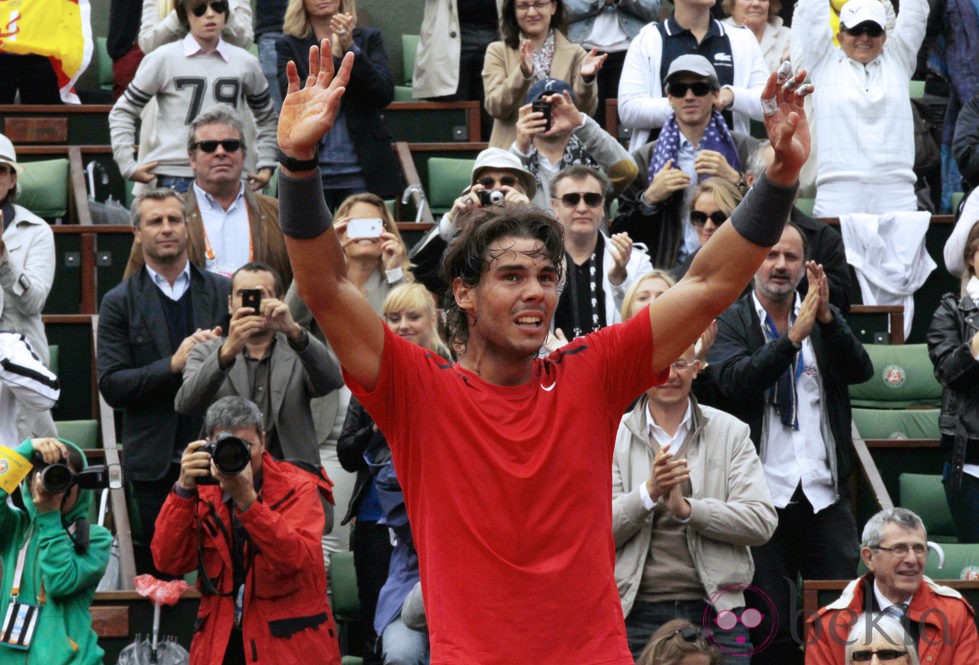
x=715 y=489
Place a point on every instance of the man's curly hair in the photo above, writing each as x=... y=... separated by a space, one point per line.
x=468 y=255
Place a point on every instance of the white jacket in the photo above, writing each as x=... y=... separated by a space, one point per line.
x=23 y=379
x=26 y=275
x=643 y=104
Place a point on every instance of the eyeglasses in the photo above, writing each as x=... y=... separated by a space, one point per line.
x=699 y=218
x=503 y=181
x=866 y=28
x=539 y=5
x=219 y=7
x=7 y=170
x=699 y=88
x=902 y=550
x=883 y=655
x=592 y=200
x=680 y=364
x=229 y=145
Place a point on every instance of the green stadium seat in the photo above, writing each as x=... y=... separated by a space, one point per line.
x=346 y=600
x=409 y=47
x=53 y=357
x=447 y=177
x=43 y=188
x=956 y=200
x=897 y=423
x=104 y=64
x=805 y=205
x=925 y=496
x=903 y=377
x=83 y=433
x=958 y=557
x=917 y=89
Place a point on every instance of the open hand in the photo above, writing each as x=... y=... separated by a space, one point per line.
x=786 y=123
x=308 y=112
x=591 y=64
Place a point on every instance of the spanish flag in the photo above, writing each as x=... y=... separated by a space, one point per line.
x=58 y=29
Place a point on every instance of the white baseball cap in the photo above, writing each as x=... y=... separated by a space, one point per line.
x=856 y=12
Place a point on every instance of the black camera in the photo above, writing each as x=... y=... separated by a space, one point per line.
x=491 y=197
x=542 y=106
x=58 y=478
x=230 y=455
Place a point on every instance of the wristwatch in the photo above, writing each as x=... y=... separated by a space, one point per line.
x=294 y=164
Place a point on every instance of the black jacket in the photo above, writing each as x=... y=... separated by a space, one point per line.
x=952 y=328
x=370 y=90
x=965 y=144
x=133 y=363
x=661 y=231
x=743 y=366
x=357 y=436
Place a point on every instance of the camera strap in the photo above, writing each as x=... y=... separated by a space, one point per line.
x=20 y=620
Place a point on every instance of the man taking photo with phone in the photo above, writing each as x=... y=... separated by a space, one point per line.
x=268 y=358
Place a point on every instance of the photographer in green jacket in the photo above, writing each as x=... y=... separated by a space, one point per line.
x=52 y=562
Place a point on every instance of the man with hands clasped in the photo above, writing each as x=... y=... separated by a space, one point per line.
x=254 y=538
x=267 y=358
x=694 y=144
x=783 y=365
x=568 y=137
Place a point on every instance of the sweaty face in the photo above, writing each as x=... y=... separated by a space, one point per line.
x=783 y=268
x=579 y=219
x=510 y=309
x=898 y=576
x=220 y=169
x=690 y=109
x=862 y=48
x=162 y=231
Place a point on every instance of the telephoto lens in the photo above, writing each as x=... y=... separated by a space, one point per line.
x=56 y=478
x=230 y=455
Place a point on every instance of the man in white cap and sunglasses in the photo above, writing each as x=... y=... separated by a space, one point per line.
x=497 y=176
x=26 y=274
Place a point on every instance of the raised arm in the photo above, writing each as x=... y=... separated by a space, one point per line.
x=724 y=266
x=351 y=326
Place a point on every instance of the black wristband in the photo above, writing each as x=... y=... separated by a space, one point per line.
x=294 y=164
x=302 y=209
x=763 y=212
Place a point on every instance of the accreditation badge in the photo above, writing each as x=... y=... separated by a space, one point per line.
x=19 y=624
x=14 y=467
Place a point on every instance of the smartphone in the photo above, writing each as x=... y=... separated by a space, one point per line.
x=252 y=298
x=543 y=106
x=370 y=227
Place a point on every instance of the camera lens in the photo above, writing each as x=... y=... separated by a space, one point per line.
x=231 y=455
x=56 y=478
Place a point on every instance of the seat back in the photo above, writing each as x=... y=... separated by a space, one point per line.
x=805 y=205
x=447 y=177
x=83 y=433
x=961 y=562
x=903 y=377
x=104 y=64
x=409 y=47
x=53 y=358
x=346 y=599
x=925 y=496
x=897 y=423
x=43 y=188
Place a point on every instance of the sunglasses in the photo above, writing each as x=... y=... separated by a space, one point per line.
x=869 y=29
x=883 y=655
x=699 y=88
x=219 y=7
x=592 y=200
x=505 y=181
x=7 y=170
x=229 y=145
x=699 y=218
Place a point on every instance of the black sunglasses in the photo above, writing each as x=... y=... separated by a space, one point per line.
x=503 y=181
x=219 y=7
x=592 y=200
x=699 y=218
x=867 y=28
x=229 y=145
x=883 y=655
x=699 y=88
x=7 y=170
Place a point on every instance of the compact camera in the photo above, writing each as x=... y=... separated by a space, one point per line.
x=491 y=197
x=230 y=455
x=58 y=478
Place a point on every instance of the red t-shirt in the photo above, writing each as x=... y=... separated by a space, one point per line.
x=508 y=489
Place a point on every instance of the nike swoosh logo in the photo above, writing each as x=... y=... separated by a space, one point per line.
x=549 y=388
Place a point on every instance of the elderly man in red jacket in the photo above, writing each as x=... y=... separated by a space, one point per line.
x=256 y=536
x=939 y=620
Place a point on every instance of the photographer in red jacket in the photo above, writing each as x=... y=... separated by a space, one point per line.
x=252 y=526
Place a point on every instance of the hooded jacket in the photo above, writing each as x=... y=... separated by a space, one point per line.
x=64 y=630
